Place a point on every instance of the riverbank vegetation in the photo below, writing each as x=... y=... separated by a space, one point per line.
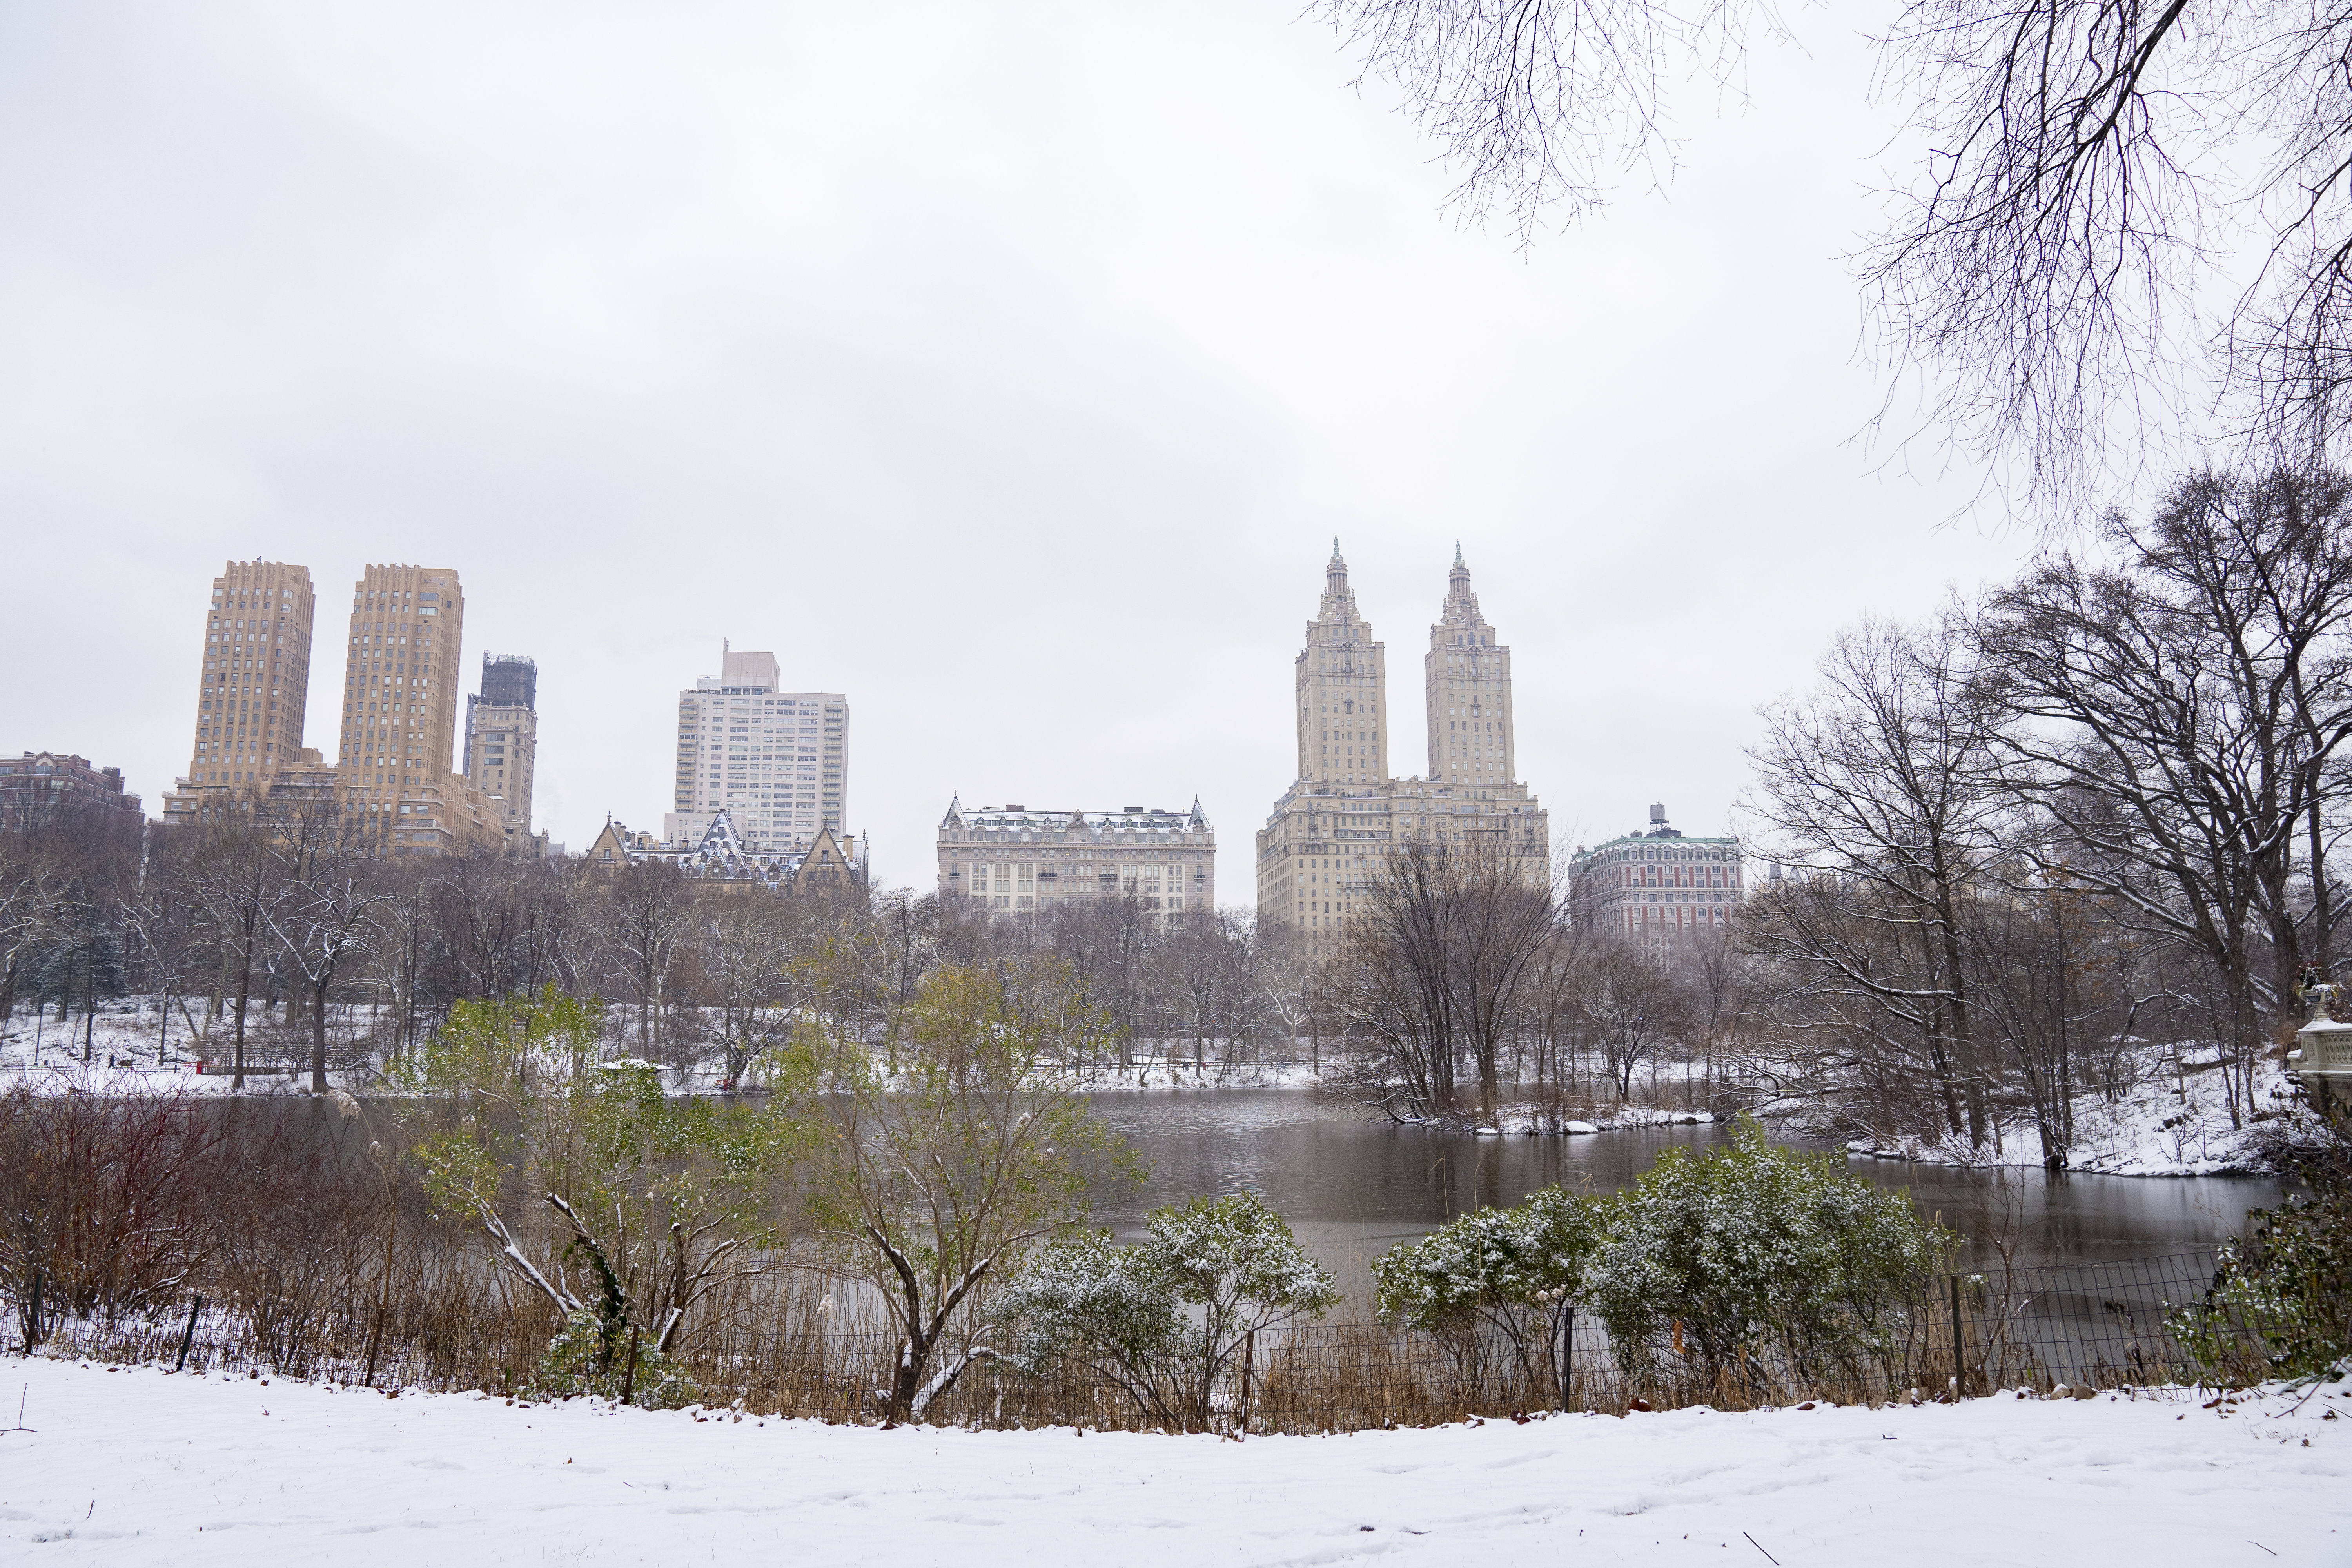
x=544 y=1226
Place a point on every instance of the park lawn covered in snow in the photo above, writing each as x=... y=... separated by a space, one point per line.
x=135 y=1465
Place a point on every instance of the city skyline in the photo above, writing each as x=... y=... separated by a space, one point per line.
x=1459 y=614
x=1039 y=500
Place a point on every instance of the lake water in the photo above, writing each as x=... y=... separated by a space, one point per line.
x=1352 y=1188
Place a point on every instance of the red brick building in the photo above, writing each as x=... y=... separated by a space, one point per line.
x=40 y=785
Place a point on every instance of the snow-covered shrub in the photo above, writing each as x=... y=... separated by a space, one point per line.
x=1516 y=1272
x=584 y=1359
x=1165 y=1318
x=2281 y=1300
x=1760 y=1264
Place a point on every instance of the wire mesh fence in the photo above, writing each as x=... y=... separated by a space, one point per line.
x=2086 y=1325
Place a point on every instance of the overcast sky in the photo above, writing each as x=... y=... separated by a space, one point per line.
x=1008 y=368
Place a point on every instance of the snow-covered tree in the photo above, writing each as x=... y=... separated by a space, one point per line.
x=1756 y=1261
x=1166 y=1318
x=1512 y=1272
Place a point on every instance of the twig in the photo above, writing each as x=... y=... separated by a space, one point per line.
x=20 y=1425
x=1768 y=1557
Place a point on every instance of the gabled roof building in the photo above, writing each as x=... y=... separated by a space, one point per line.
x=725 y=860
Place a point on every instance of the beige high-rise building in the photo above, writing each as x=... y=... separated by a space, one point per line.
x=391 y=782
x=400 y=717
x=776 y=762
x=502 y=741
x=1332 y=829
x=255 y=687
x=1013 y=861
x=1466 y=684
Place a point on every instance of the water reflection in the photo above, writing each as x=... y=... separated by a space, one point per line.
x=1354 y=1188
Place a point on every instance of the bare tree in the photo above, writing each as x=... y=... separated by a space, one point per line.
x=324 y=919
x=2184 y=710
x=650 y=905
x=2043 y=267
x=1390 y=982
x=1435 y=965
x=741 y=953
x=236 y=879
x=1636 y=1003
x=1885 y=779
x=1540 y=104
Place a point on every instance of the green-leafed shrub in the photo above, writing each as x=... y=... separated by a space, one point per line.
x=1164 y=1318
x=1516 y=1273
x=2280 y=1301
x=1761 y=1265
x=583 y=1358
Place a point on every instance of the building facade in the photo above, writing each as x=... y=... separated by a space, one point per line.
x=777 y=762
x=43 y=785
x=399 y=791
x=1658 y=887
x=502 y=741
x=255 y=688
x=390 y=783
x=1332 y=829
x=724 y=862
x=1013 y=861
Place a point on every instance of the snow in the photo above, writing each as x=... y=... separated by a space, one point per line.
x=1537 y=1121
x=136 y=1465
x=2161 y=1129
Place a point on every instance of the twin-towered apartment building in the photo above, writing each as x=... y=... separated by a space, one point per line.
x=392 y=777
x=1332 y=828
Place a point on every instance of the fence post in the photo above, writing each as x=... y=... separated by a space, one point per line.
x=1563 y=1345
x=188 y=1338
x=33 y=1318
x=1959 y=1346
x=1249 y=1364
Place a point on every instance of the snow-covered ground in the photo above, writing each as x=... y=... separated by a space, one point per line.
x=1537 y=1120
x=134 y=1466
x=2161 y=1128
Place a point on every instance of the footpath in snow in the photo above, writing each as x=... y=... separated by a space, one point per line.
x=134 y=1466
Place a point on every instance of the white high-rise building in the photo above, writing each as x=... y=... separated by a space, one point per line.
x=776 y=762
